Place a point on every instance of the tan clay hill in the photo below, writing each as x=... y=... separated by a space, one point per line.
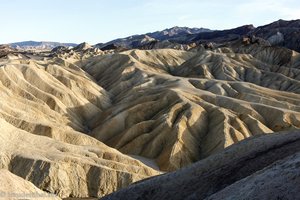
x=45 y=105
x=76 y=123
x=178 y=107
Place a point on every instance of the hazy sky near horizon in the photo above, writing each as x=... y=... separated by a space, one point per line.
x=97 y=21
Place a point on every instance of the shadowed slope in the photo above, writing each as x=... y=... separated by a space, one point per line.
x=264 y=167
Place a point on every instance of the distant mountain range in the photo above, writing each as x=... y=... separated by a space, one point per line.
x=279 y=33
x=136 y=41
x=34 y=45
x=129 y=42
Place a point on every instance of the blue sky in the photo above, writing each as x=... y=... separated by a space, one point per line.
x=97 y=21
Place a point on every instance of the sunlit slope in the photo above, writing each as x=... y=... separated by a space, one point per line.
x=45 y=107
x=13 y=187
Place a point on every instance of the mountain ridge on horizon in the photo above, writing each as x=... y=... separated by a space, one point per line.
x=74 y=43
x=40 y=45
x=183 y=35
x=275 y=33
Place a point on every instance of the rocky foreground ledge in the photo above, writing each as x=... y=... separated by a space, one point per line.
x=264 y=167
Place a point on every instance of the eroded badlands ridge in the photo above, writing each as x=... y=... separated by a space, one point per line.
x=70 y=118
x=178 y=107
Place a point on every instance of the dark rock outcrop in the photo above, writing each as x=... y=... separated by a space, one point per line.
x=281 y=33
